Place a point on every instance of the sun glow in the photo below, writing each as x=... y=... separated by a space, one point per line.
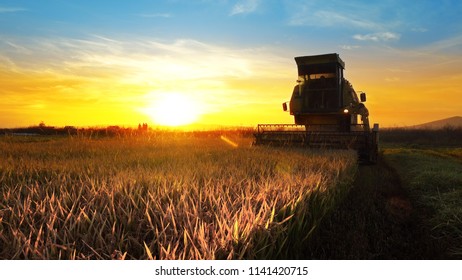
x=174 y=109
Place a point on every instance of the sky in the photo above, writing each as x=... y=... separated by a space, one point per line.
x=96 y=63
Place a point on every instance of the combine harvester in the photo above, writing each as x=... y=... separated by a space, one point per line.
x=326 y=110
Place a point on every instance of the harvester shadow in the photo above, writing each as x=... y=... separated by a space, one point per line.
x=377 y=220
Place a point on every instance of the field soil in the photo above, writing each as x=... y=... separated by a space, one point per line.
x=377 y=220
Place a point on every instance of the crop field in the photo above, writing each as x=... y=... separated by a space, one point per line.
x=433 y=178
x=428 y=163
x=164 y=196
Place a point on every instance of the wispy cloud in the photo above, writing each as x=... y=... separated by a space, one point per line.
x=11 y=10
x=419 y=29
x=131 y=58
x=156 y=15
x=18 y=48
x=398 y=70
x=392 y=79
x=378 y=37
x=350 y=47
x=446 y=45
x=61 y=69
x=244 y=7
x=327 y=18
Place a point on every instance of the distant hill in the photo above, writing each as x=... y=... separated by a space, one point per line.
x=455 y=122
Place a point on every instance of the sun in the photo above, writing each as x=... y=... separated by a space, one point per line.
x=174 y=109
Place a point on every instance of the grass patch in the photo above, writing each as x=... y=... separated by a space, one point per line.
x=434 y=180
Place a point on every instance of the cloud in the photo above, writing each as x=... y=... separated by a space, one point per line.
x=156 y=15
x=244 y=7
x=419 y=29
x=349 y=47
x=184 y=59
x=398 y=70
x=378 y=37
x=392 y=79
x=17 y=48
x=11 y=10
x=100 y=69
x=447 y=45
x=326 y=18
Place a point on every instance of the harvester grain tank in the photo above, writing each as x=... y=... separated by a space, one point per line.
x=327 y=111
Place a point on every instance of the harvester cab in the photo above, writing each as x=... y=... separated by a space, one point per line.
x=326 y=109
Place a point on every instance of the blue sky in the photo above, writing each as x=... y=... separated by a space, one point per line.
x=249 y=22
x=242 y=50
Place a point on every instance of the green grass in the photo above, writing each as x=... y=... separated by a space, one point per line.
x=163 y=196
x=434 y=179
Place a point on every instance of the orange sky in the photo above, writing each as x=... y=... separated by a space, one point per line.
x=230 y=89
x=66 y=73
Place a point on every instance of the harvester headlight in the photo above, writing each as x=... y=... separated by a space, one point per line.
x=345 y=111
